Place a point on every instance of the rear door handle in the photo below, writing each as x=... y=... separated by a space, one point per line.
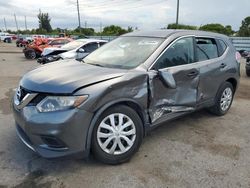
x=223 y=65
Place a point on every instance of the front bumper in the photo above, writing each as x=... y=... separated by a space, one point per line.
x=54 y=134
x=48 y=59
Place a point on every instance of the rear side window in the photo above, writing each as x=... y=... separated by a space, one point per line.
x=206 y=48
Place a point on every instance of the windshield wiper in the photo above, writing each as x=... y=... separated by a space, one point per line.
x=96 y=64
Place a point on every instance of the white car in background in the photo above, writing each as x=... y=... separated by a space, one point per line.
x=5 y=37
x=77 y=49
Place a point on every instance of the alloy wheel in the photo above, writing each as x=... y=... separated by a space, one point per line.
x=226 y=99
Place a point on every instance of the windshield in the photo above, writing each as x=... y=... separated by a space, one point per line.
x=73 y=45
x=124 y=52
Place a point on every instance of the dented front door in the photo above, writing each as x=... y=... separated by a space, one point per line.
x=166 y=102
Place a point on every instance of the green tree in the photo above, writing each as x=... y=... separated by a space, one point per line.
x=217 y=28
x=181 y=26
x=88 y=31
x=44 y=22
x=245 y=28
x=130 y=29
x=114 y=30
x=229 y=30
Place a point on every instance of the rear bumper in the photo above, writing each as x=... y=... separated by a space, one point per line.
x=56 y=134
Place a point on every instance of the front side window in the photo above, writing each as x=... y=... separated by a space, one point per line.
x=90 y=47
x=179 y=53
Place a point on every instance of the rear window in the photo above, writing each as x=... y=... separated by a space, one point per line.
x=206 y=48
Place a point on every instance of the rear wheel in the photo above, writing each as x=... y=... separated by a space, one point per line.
x=117 y=135
x=223 y=100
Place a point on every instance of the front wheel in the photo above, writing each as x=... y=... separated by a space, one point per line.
x=117 y=135
x=223 y=99
x=30 y=54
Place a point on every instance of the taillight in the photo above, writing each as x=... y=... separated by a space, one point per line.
x=238 y=57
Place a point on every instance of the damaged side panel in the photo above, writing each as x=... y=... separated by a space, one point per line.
x=167 y=103
x=131 y=87
x=155 y=101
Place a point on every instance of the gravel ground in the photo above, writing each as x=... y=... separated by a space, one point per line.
x=198 y=150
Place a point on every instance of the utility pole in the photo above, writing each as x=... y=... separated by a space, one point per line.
x=177 y=14
x=25 y=21
x=5 y=24
x=100 y=27
x=79 y=19
x=85 y=24
x=16 y=22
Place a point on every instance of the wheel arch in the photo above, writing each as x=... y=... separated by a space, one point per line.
x=234 y=83
x=127 y=102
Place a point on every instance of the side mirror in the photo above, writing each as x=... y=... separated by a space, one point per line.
x=167 y=79
x=80 y=50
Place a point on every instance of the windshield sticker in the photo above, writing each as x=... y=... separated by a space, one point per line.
x=148 y=43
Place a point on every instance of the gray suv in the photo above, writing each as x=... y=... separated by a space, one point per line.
x=108 y=102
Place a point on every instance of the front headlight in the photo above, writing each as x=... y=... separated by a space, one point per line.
x=57 y=103
x=54 y=57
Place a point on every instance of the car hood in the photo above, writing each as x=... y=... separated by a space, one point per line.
x=50 y=50
x=65 y=77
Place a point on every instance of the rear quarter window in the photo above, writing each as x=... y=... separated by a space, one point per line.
x=221 y=47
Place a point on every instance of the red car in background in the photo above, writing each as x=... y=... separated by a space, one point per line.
x=34 y=49
x=21 y=42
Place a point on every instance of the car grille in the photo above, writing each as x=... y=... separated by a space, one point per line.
x=22 y=92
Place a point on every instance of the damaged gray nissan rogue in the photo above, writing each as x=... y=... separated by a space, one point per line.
x=108 y=102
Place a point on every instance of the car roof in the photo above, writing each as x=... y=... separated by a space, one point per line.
x=165 y=33
x=90 y=40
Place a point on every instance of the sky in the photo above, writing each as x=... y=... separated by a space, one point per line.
x=143 y=14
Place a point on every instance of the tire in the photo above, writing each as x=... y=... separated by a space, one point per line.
x=248 y=73
x=116 y=140
x=226 y=94
x=30 y=54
